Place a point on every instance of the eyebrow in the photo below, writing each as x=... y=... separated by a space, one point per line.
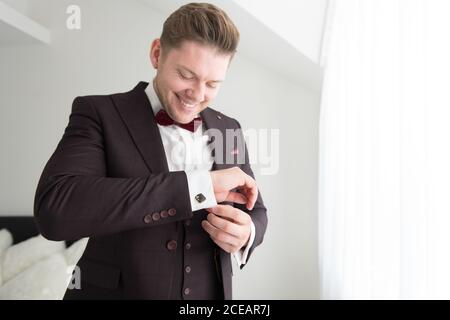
x=195 y=75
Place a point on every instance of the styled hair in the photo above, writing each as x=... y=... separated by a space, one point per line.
x=203 y=23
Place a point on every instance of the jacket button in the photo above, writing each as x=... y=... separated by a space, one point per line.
x=164 y=214
x=187 y=291
x=187 y=222
x=172 y=245
x=188 y=269
x=172 y=212
x=188 y=246
x=148 y=218
x=156 y=216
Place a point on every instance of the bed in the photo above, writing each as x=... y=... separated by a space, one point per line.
x=32 y=267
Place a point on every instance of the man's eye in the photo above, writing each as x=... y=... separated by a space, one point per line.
x=212 y=85
x=186 y=77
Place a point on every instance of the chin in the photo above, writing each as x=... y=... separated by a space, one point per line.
x=178 y=116
x=182 y=114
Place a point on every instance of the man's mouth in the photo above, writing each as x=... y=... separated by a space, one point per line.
x=185 y=103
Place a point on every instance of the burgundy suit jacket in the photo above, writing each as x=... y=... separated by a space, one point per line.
x=106 y=180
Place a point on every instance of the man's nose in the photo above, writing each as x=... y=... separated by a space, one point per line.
x=196 y=93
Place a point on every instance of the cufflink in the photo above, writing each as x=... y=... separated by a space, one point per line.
x=200 y=198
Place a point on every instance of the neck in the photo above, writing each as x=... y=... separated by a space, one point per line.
x=155 y=87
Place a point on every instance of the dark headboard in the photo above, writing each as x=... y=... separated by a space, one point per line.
x=21 y=228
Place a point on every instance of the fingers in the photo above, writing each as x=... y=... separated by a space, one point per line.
x=250 y=189
x=231 y=213
x=228 y=227
x=218 y=235
x=225 y=225
x=228 y=179
x=236 y=197
x=252 y=195
x=227 y=247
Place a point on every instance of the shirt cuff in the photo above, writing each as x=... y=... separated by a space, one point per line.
x=201 y=192
x=241 y=255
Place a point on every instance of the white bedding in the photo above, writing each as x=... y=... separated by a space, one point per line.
x=36 y=268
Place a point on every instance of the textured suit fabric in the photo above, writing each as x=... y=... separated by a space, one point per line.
x=108 y=180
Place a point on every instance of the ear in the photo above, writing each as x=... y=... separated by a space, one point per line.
x=155 y=53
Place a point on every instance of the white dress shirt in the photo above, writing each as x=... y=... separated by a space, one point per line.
x=189 y=151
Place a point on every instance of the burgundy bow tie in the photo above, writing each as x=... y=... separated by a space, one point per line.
x=162 y=118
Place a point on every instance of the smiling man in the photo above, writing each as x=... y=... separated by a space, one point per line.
x=147 y=177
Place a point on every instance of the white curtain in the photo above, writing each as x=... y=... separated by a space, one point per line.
x=384 y=198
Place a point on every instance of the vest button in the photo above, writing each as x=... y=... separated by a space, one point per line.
x=172 y=212
x=187 y=291
x=188 y=246
x=156 y=216
x=187 y=222
x=164 y=214
x=188 y=269
x=171 y=245
x=148 y=218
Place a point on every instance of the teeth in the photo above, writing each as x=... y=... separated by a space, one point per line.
x=186 y=104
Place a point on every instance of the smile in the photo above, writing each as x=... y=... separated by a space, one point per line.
x=185 y=104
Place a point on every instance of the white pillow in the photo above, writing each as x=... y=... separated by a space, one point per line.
x=24 y=254
x=47 y=280
x=75 y=251
x=5 y=242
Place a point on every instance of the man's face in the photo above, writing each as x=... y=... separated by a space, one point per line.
x=187 y=78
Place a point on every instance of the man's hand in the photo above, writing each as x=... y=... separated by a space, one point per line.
x=228 y=227
x=225 y=180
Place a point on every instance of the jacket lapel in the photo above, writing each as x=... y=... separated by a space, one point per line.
x=137 y=113
x=214 y=125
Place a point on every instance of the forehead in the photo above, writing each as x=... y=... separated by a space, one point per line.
x=204 y=61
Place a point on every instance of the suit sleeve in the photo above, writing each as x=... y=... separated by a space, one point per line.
x=259 y=212
x=76 y=199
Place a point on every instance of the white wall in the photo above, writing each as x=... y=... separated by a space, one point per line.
x=23 y=6
x=109 y=54
x=300 y=22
